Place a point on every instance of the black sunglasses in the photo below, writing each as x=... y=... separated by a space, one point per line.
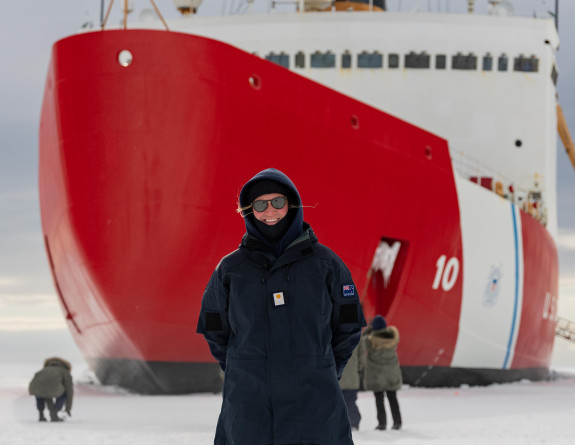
x=261 y=205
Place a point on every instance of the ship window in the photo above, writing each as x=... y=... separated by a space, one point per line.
x=464 y=62
x=440 y=61
x=413 y=60
x=370 y=60
x=526 y=64
x=323 y=60
x=554 y=75
x=502 y=63
x=281 y=59
x=300 y=60
x=487 y=62
x=346 y=60
x=393 y=61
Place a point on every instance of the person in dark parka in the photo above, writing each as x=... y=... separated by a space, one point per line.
x=52 y=386
x=281 y=314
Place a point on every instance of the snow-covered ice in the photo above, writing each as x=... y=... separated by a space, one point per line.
x=518 y=413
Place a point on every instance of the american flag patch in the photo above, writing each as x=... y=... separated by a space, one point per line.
x=348 y=290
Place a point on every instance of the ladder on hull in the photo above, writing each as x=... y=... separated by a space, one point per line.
x=565 y=329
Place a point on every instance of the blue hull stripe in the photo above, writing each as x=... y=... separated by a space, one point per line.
x=514 y=320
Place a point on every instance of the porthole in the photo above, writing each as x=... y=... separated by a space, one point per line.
x=255 y=82
x=125 y=58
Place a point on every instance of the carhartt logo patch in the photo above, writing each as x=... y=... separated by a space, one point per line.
x=348 y=290
x=279 y=299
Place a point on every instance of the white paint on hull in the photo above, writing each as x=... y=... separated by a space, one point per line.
x=492 y=279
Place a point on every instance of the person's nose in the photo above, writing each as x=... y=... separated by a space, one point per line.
x=270 y=210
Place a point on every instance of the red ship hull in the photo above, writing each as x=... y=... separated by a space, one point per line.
x=140 y=169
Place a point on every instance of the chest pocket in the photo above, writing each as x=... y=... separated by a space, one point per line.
x=311 y=308
x=247 y=315
x=309 y=281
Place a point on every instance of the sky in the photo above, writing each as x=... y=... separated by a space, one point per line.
x=30 y=315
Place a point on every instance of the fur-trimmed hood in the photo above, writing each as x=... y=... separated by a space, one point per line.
x=57 y=361
x=386 y=338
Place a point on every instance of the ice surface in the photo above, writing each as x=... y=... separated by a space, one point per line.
x=519 y=413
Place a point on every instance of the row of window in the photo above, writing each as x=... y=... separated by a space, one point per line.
x=413 y=60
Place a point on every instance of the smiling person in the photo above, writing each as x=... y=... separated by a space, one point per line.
x=282 y=316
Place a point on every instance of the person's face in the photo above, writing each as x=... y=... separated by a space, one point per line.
x=270 y=215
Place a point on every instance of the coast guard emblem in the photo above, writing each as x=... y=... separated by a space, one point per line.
x=492 y=287
x=348 y=290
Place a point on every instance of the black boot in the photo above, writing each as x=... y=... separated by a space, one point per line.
x=53 y=413
x=41 y=418
x=54 y=416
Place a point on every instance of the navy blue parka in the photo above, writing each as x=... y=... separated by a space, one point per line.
x=282 y=323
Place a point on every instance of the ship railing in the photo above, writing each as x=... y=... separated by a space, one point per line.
x=565 y=329
x=496 y=7
x=529 y=199
x=329 y=5
x=242 y=7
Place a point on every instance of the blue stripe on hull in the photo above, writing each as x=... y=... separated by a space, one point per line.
x=516 y=293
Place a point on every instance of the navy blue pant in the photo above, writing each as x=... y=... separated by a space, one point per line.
x=41 y=403
x=350 y=397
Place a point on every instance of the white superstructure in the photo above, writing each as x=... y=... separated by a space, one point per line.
x=486 y=83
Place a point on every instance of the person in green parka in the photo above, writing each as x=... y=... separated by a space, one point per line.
x=381 y=368
x=52 y=386
x=350 y=383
